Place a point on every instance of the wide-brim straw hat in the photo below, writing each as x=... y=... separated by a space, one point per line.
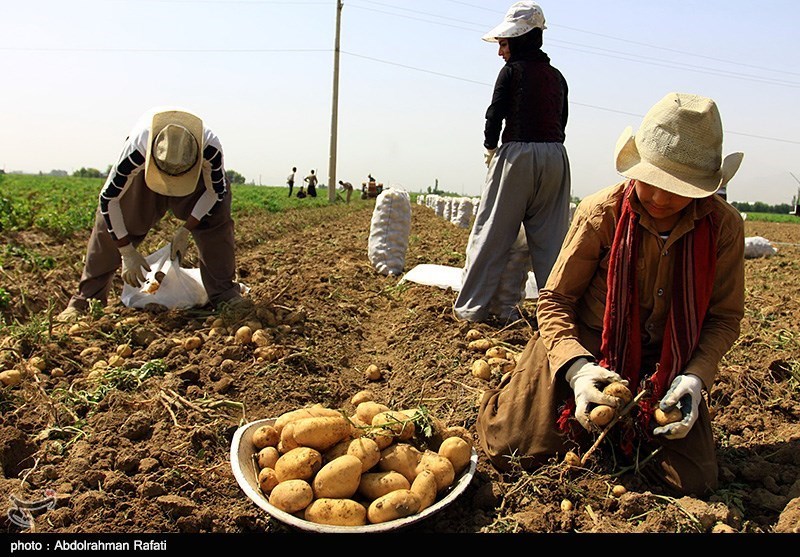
x=678 y=148
x=520 y=18
x=174 y=153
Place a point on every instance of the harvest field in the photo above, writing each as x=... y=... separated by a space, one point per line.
x=143 y=445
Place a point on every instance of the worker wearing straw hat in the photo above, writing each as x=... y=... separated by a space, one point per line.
x=647 y=291
x=170 y=161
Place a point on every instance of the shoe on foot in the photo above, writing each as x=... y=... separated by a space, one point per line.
x=69 y=315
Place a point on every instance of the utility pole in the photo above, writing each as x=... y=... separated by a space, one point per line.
x=334 y=109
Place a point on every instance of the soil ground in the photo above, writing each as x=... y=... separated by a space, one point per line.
x=153 y=455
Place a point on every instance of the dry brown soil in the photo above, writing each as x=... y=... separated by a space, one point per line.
x=154 y=457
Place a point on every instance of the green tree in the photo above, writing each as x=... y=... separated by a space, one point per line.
x=234 y=177
x=88 y=173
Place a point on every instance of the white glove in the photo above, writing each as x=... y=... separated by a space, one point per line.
x=134 y=266
x=584 y=377
x=685 y=392
x=488 y=156
x=180 y=241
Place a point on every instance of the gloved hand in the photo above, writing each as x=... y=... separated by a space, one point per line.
x=587 y=380
x=488 y=156
x=180 y=241
x=685 y=392
x=134 y=266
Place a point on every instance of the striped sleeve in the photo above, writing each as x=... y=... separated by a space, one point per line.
x=213 y=176
x=119 y=178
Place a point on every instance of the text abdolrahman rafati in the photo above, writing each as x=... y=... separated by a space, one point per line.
x=90 y=545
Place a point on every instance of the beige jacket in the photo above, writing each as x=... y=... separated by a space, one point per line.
x=570 y=307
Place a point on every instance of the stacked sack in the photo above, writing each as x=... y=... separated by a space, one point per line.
x=389 y=231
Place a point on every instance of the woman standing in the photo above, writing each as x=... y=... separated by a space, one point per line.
x=528 y=181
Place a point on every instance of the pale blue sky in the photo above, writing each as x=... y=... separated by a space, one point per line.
x=415 y=80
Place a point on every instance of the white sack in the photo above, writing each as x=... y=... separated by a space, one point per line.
x=756 y=246
x=389 y=231
x=180 y=288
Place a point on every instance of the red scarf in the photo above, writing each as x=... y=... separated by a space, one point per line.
x=693 y=281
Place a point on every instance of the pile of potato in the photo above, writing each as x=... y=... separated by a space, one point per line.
x=325 y=467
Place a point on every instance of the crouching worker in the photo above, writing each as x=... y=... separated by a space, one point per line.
x=648 y=290
x=170 y=161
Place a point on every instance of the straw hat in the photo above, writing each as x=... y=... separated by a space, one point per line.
x=520 y=18
x=678 y=148
x=174 y=153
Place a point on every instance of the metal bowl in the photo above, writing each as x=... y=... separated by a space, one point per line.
x=245 y=470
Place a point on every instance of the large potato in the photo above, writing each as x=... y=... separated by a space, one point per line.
x=441 y=467
x=300 y=463
x=426 y=489
x=320 y=433
x=292 y=495
x=338 y=479
x=337 y=512
x=401 y=458
x=394 y=505
x=312 y=412
x=395 y=421
x=457 y=451
x=378 y=484
x=367 y=410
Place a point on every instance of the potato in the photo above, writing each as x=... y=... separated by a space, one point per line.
x=362 y=396
x=378 y=484
x=396 y=422
x=320 y=433
x=336 y=512
x=243 y=335
x=669 y=417
x=601 y=415
x=300 y=463
x=402 y=458
x=480 y=345
x=267 y=480
x=473 y=334
x=287 y=442
x=620 y=391
x=441 y=467
x=310 y=412
x=496 y=352
x=267 y=457
x=382 y=437
x=397 y=504
x=572 y=459
x=457 y=451
x=481 y=369
x=367 y=410
x=266 y=436
x=338 y=479
x=425 y=487
x=291 y=495
x=457 y=431
x=366 y=450
x=337 y=450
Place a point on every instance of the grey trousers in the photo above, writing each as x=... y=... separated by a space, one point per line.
x=143 y=209
x=528 y=184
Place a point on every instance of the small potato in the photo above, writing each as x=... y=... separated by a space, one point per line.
x=243 y=335
x=620 y=391
x=337 y=450
x=473 y=334
x=377 y=484
x=402 y=458
x=457 y=451
x=480 y=345
x=397 y=504
x=425 y=487
x=496 y=352
x=366 y=450
x=300 y=463
x=11 y=377
x=338 y=479
x=441 y=467
x=669 y=417
x=291 y=496
x=267 y=480
x=572 y=459
x=382 y=437
x=481 y=369
x=287 y=442
x=267 y=457
x=457 y=431
x=396 y=422
x=336 y=512
x=266 y=436
x=601 y=415
x=367 y=410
